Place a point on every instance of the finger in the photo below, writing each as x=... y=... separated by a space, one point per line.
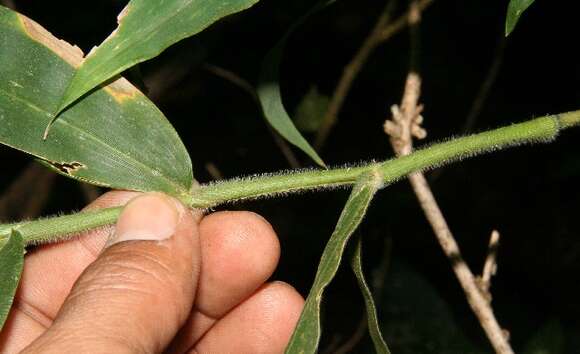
x=239 y=252
x=139 y=291
x=48 y=275
x=262 y=324
x=51 y=270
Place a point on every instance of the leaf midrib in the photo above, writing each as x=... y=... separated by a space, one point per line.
x=63 y=120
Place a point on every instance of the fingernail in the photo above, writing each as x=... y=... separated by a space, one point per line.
x=152 y=216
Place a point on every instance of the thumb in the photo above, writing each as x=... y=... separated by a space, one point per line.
x=139 y=291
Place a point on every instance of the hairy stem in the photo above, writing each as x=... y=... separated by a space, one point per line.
x=60 y=227
x=538 y=130
x=543 y=129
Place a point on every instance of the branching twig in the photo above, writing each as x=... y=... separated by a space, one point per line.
x=490 y=265
x=382 y=31
x=400 y=130
x=476 y=298
x=404 y=126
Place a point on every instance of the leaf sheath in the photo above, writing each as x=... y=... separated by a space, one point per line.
x=307 y=333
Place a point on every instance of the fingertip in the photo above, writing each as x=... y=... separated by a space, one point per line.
x=241 y=230
x=240 y=251
x=246 y=219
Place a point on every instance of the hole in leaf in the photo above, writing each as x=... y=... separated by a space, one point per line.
x=67 y=167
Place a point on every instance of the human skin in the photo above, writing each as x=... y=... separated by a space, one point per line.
x=165 y=279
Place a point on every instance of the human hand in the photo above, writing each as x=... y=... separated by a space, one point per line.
x=193 y=286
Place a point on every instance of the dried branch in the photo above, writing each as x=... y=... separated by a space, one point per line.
x=405 y=125
x=402 y=128
x=490 y=265
x=382 y=31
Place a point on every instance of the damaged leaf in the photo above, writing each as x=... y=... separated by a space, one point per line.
x=145 y=29
x=65 y=168
x=115 y=137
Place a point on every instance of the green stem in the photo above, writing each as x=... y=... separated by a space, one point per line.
x=538 y=130
x=543 y=129
x=60 y=227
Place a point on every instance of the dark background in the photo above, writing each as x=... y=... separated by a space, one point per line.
x=528 y=193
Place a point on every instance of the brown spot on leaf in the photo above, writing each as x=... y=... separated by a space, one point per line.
x=71 y=54
x=121 y=90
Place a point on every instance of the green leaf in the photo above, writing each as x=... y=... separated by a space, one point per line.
x=310 y=111
x=271 y=98
x=515 y=9
x=11 y=264
x=115 y=137
x=307 y=333
x=373 y=323
x=146 y=28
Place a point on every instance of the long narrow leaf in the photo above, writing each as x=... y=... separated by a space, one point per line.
x=271 y=98
x=307 y=333
x=114 y=137
x=11 y=264
x=515 y=10
x=146 y=28
x=373 y=323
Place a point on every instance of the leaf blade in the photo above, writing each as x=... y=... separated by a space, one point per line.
x=381 y=346
x=515 y=10
x=308 y=330
x=115 y=137
x=146 y=28
x=11 y=265
x=270 y=96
